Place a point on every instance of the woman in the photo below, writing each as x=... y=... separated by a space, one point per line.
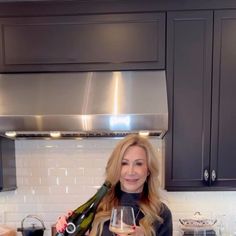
x=133 y=171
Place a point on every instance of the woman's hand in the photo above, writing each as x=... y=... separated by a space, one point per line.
x=138 y=231
x=62 y=222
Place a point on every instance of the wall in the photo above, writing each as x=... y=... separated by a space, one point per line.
x=55 y=176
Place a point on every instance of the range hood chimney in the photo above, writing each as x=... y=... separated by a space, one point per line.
x=84 y=104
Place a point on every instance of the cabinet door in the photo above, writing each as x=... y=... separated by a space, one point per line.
x=7 y=164
x=83 y=43
x=189 y=52
x=223 y=154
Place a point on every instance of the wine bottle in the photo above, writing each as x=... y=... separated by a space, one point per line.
x=82 y=217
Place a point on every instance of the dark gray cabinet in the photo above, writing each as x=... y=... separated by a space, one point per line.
x=83 y=42
x=189 y=53
x=223 y=153
x=7 y=165
x=201 y=69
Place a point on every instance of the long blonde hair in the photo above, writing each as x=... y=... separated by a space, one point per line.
x=150 y=203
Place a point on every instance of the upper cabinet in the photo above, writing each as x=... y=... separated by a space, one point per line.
x=83 y=43
x=189 y=54
x=201 y=87
x=223 y=151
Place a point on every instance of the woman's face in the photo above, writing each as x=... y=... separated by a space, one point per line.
x=134 y=170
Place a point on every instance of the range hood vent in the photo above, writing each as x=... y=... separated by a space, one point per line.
x=78 y=135
x=85 y=104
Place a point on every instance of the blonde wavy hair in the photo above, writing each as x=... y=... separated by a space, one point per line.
x=150 y=203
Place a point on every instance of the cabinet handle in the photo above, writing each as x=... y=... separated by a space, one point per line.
x=206 y=175
x=213 y=176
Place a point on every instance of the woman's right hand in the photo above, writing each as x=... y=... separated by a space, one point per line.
x=62 y=222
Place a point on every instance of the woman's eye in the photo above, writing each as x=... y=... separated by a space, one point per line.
x=124 y=163
x=139 y=163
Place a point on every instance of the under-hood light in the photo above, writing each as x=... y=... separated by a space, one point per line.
x=55 y=134
x=10 y=134
x=144 y=133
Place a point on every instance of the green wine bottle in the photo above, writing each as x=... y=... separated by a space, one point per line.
x=82 y=217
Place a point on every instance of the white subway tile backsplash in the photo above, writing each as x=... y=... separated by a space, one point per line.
x=22 y=191
x=2 y=216
x=100 y=162
x=51 y=171
x=65 y=163
x=98 y=181
x=75 y=171
x=2 y=201
x=24 y=171
x=83 y=180
x=85 y=162
x=48 y=180
x=40 y=190
x=55 y=176
x=94 y=172
x=58 y=189
x=16 y=217
x=66 y=180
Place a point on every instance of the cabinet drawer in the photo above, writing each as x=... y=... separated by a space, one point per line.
x=90 y=42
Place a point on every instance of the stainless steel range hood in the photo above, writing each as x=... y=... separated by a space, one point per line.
x=83 y=104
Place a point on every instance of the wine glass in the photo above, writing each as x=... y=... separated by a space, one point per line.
x=122 y=220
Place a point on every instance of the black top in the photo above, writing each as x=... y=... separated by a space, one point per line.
x=131 y=199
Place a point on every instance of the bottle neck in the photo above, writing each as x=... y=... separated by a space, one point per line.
x=100 y=194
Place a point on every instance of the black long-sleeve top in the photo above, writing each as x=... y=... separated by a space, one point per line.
x=131 y=199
